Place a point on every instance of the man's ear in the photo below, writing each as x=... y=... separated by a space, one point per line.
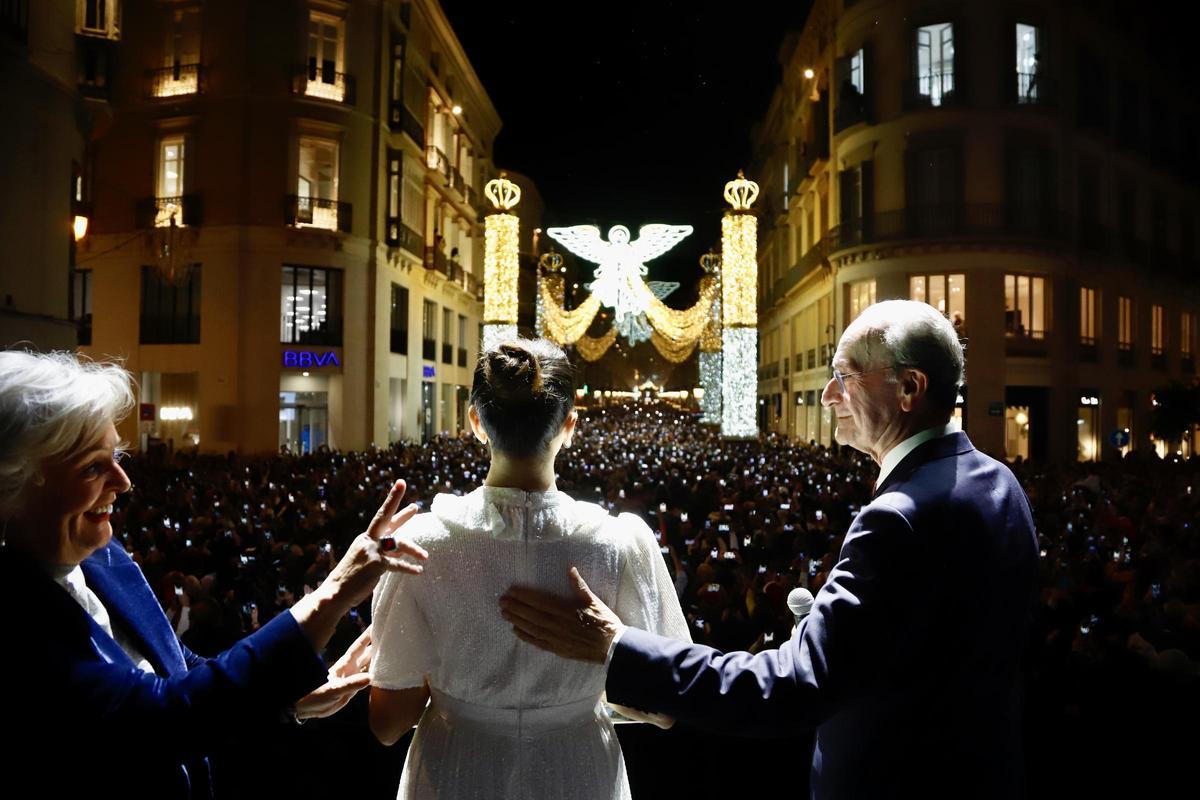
x=913 y=387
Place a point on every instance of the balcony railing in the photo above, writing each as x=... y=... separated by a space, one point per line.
x=1125 y=356
x=400 y=235
x=402 y=119
x=317 y=212
x=436 y=160
x=324 y=83
x=1187 y=365
x=1035 y=89
x=428 y=349
x=447 y=353
x=933 y=89
x=815 y=255
x=1087 y=351
x=852 y=108
x=948 y=220
x=176 y=81
x=159 y=212
x=462 y=356
x=1027 y=343
x=436 y=260
x=474 y=200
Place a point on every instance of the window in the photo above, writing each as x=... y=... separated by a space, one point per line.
x=934 y=189
x=326 y=66
x=1028 y=47
x=1025 y=306
x=1030 y=188
x=170 y=309
x=850 y=76
x=1158 y=330
x=98 y=18
x=856 y=203
x=399 y=319
x=311 y=306
x=1124 y=323
x=856 y=71
x=81 y=303
x=429 y=330
x=862 y=294
x=462 y=340
x=935 y=62
x=317 y=184
x=1187 y=329
x=946 y=293
x=447 y=330
x=169 y=191
x=1087 y=316
x=395 y=179
x=180 y=73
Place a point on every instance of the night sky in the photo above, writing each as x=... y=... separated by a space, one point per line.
x=626 y=112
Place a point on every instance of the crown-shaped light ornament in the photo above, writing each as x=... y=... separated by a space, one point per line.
x=710 y=262
x=550 y=262
x=503 y=193
x=741 y=193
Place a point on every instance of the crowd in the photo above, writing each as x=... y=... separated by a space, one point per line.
x=228 y=542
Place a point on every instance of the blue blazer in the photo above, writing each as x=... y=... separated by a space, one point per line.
x=84 y=717
x=908 y=665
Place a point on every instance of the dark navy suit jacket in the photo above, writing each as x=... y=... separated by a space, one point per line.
x=908 y=665
x=80 y=715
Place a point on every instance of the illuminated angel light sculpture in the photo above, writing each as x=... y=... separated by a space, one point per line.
x=622 y=267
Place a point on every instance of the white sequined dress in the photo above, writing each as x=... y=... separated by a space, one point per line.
x=507 y=720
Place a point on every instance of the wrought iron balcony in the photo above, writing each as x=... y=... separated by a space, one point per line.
x=1034 y=89
x=447 y=353
x=401 y=119
x=317 y=212
x=323 y=82
x=436 y=160
x=428 y=349
x=935 y=221
x=399 y=341
x=462 y=356
x=159 y=212
x=176 y=81
x=436 y=260
x=932 y=90
x=400 y=235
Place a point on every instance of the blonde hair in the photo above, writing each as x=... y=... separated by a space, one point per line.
x=51 y=404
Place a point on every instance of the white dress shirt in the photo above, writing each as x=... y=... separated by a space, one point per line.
x=70 y=577
x=894 y=456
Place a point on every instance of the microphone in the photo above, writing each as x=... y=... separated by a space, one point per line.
x=800 y=602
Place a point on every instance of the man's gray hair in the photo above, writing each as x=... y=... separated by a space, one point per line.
x=51 y=405
x=909 y=333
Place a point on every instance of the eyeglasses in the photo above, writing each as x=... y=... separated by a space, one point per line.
x=840 y=377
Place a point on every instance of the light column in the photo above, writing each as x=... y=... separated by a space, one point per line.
x=500 y=263
x=710 y=349
x=739 y=309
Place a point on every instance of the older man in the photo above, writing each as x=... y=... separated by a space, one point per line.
x=908 y=664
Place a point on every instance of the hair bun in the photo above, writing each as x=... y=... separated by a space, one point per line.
x=514 y=373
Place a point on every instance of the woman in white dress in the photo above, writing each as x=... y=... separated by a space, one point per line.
x=504 y=719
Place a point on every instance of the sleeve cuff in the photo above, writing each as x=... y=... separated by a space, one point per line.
x=612 y=646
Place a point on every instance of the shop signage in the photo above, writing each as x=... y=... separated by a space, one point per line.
x=310 y=358
x=427 y=372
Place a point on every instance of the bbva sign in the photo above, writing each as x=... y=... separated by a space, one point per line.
x=310 y=358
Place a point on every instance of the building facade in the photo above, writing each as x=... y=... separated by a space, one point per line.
x=43 y=152
x=1028 y=169
x=286 y=242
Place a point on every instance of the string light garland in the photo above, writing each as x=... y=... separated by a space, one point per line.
x=739 y=335
x=562 y=326
x=674 y=351
x=710 y=382
x=682 y=325
x=593 y=348
x=495 y=334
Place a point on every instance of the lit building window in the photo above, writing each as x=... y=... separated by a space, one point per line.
x=311 y=306
x=399 y=326
x=317 y=184
x=1028 y=38
x=1187 y=329
x=180 y=73
x=170 y=311
x=1087 y=422
x=1025 y=306
x=169 y=192
x=1158 y=330
x=1087 y=316
x=935 y=62
x=946 y=293
x=1124 y=323
x=98 y=18
x=326 y=57
x=862 y=294
x=395 y=177
x=857 y=78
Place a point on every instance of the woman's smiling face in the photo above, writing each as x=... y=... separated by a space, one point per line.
x=68 y=511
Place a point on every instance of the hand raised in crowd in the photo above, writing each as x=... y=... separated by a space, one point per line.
x=582 y=627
